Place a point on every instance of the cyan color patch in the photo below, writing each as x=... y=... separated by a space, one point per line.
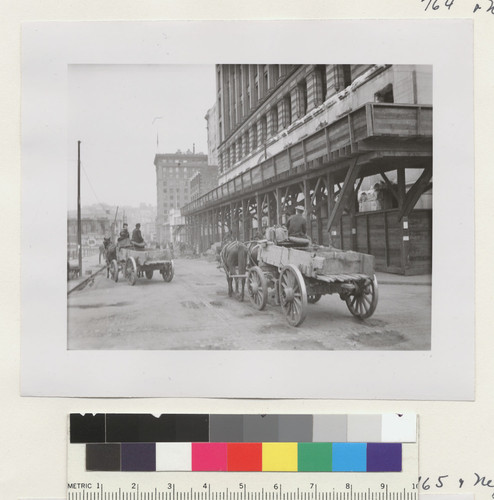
x=349 y=457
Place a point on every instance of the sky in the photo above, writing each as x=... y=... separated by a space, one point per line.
x=123 y=115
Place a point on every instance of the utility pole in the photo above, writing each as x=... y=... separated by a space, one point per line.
x=79 y=235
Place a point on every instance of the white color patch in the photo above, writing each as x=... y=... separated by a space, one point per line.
x=173 y=456
x=399 y=429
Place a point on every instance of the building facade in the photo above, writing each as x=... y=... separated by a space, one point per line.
x=213 y=134
x=203 y=181
x=173 y=174
x=320 y=136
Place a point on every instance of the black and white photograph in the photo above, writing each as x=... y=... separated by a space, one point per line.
x=292 y=201
x=257 y=216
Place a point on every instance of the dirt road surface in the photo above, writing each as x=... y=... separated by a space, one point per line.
x=194 y=312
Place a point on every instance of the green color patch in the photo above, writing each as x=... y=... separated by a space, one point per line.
x=315 y=457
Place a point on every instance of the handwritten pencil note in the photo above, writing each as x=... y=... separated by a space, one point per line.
x=480 y=6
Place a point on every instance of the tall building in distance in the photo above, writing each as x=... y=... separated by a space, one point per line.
x=173 y=174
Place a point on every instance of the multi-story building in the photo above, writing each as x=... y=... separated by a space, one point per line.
x=317 y=136
x=203 y=181
x=173 y=173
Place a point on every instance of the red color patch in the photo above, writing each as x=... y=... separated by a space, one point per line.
x=245 y=457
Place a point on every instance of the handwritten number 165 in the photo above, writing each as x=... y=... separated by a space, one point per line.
x=433 y=4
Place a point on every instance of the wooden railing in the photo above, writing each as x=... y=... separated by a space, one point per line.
x=332 y=143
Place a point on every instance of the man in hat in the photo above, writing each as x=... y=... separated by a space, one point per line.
x=137 y=239
x=296 y=224
x=124 y=237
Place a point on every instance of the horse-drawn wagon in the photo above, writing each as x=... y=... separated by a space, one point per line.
x=137 y=263
x=296 y=276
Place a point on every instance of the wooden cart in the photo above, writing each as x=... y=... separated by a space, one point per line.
x=300 y=276
x=137 y=263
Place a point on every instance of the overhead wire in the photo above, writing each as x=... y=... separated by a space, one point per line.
x=105 y=209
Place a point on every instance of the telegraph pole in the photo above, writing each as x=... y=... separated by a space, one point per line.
x=79 y=235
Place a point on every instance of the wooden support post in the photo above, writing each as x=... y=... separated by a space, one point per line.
x=391 y=188
x=279 y=209
x=308 y=207
x=331 y=203
x=259 y=213
x=318 y=202
x=222 y=208
x=401 y=194
x=421 y=185
x=346 y=193
x=232 y=231
x=353 y=221
x=245 y=219
x=267 y=197
x=237 y=221
x=405 y=234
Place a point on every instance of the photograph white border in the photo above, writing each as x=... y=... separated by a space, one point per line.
x=49 y=369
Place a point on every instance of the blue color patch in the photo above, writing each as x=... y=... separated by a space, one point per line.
x=349 y=457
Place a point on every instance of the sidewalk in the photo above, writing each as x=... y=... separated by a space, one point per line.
x=90 y=267
x=399 y=279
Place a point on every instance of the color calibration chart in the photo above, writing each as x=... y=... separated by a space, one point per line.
x=242 y=457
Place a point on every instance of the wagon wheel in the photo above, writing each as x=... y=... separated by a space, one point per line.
x=114 y=270
x=149 y=274
x=131 y=271
x=293 y=295
x=312 y=298
x=257 y=288
x=168 y=272
x=362 y=302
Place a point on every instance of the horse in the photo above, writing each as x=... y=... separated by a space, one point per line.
x=103 y=247
x=234 y=259
x=110 y=254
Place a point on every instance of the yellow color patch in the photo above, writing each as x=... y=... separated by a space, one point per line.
x=279 y=457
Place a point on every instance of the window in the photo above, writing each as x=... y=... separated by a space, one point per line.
x=276 y=73
x=264 y=125
x=321 y=70
x=254 y=137
x=288 y=110
x=274 y=116
x=347 y=75
x=302 y=92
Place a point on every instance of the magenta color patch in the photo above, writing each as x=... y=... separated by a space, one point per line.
x=209 y=457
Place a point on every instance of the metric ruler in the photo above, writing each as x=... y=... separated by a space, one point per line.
x=88 y=479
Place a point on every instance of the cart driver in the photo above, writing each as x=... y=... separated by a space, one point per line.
x=124 y=237
x=137 y=239
x=297 y=225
